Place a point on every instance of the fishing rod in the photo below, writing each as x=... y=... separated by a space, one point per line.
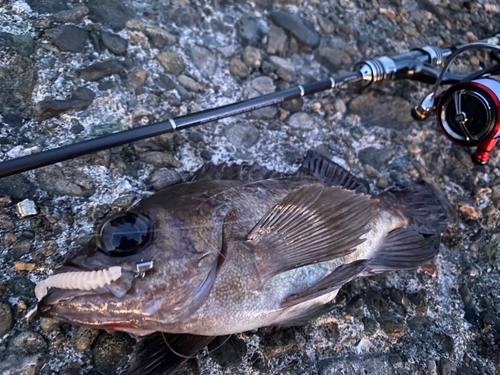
x=467 y=112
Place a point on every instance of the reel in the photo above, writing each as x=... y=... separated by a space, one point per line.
x=467 y=112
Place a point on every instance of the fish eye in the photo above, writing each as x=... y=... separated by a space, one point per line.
x=124 y=234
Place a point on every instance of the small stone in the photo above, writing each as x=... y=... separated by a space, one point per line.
x=413 y=150
x=257 y=87
x=6 y=319
x=10 y=239
x=333 y=59
x=301 y=121
x=20 y=248
x=325 y=25
x=285 y=69
x=474 y=60
x=228 y=51
x=227 y=352
x=28 y=342
x=340 y=106
x=157 y=37
x=68 y=38
x=84 y=337
x=399 y=298
x=74 y=15
x=242 y=135
x=59 y=181
x=204 y=60
x=159 y=159
x=49 y=324
x=471 y=37
x=301 y=29
x=23 y=266
x=21 y=306
x=206 y=155
x=171 y=62
x=100 y=70
x=114 y=43
x=355 y=305
x=468 y=210
x=164 y=177
x=113 y=13
x=276 y=40
x=81 y=99
x=279 y=342
x=356 y=132
x=370 y=325
x=370 y=171
x=26 y=208
x=293 y=105
x=237 y=68
x=195 y=137
x=374 y=157
x=316 y=107
x=48 y=249
x=249 y=31
x=283 y=115
x=382 y=183
x=393 y=327
x=389 y=13
x=252 y=57
x=188 y=83
x=137 y=78
x=110 y=351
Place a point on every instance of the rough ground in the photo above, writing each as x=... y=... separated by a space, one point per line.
x=71 y=71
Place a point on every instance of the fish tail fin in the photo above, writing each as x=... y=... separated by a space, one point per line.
x=425 y=204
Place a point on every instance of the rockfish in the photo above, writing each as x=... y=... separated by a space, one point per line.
x=237 y=248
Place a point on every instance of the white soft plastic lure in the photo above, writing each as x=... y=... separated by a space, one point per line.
x=78 y=280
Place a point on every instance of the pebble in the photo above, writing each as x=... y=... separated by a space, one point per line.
x=26 y=208
x=112 y=13
x=326 y=26
x=370 y=171
x=393 y=327
x=100 y=70
x=463 y=157
x=377 y=158
x=284 y=69
x=206 y=155
x=68 y=38
x=370 y=325
x=48 y=249
x=293 y=105
x=389 y=13
x=49 y=324
x=238 y=69
x=188 y=83
x=276 y=41
x=19 y=151
x=301 y=121
x=252 y=57
x=74 y=15
x=204 y=60
x=398 y=297
x=157 y=37
x=22 y=286
x=72 y=183
x=171 y=62
x=382 y=182
x=249 y=31
x=83 y=338
x=356 y=132
x=340 y=106
x=242 y=135
x=110 y=351
x=114 y=43
x=20 y=248
x=333 y=59
x=6 y=319
x=159 y=159
x=227 y=352
x=164 y=177
x=137 y=78
x=258 y=86
x=468 y=209
x=413 y=150
x=301 y=29
x=9 y=239
x=81 y=99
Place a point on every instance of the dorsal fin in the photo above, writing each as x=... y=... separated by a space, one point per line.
x=329 y=173
x=239 y=172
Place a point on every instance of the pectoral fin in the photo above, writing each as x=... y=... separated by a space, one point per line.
x=310 y=225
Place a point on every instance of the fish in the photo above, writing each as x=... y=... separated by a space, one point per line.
x=236 y=248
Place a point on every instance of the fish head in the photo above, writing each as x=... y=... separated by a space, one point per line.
x=158 y=234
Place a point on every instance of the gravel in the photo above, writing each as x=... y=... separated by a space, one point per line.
x=70 y=72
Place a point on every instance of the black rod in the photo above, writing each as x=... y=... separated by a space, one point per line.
x=56 y=155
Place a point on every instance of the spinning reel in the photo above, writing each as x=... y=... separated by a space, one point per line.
x=467 y=112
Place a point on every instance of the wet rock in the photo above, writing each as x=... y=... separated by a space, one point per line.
x=47 y=6
x=276 y=41
x=80 y=100
x=114 y=43
x=157 y=37
x=370 y=325
x=382 y=182
x=378 y=110
x=53 y=180
x=17 y=187
x=284 y=69
x=325 y=25
x=188 y=83
x=112 y=13
x=171 y=62
x=333 y=59
x=249 y=31
x=83 y=338
x=159 y=159
x=238 y=69
x=228 y=353
x=242 y=135
x=301 y=121
x=464 y=158
x=21 y=248
x=293 y=105
x=252 y=57
x=22 y=286
x=68 y=38
x=393 y=327
x=375 y=158
x=204 y=60
x=23 y=44
x=265 y=113
x=301 y=29
x=74 y=15
x=162 y=178
x=100 y=70
x=6 y=319
x=355 y=306
x=110 y=351
x=6 y=222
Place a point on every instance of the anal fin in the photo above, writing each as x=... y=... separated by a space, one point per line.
x=158 y=353
x=402 y=249
x=312 y=224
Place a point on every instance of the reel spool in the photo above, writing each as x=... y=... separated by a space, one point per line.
x=468 y=115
